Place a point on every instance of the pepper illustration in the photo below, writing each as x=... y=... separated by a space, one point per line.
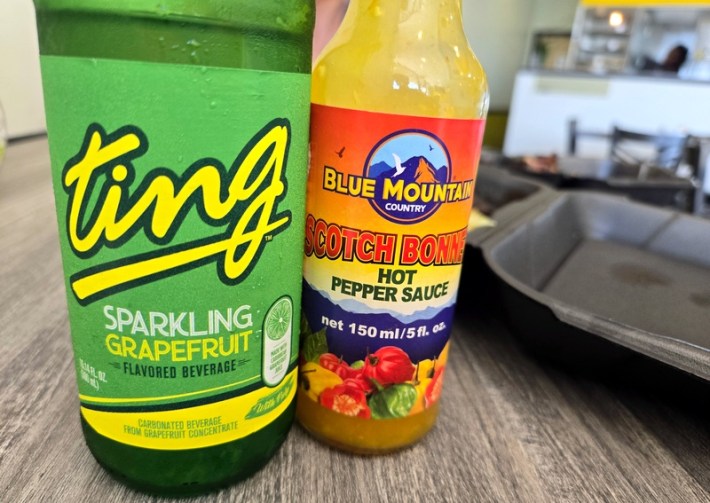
x=334 y=364
x=315 y=379
x=426 y=369
x=423 y=378
x=393 y=401
x=389 y=365
x=444 y=356
x=346 y=399
x=420 y=386
x=360 y=382
x=433 y=389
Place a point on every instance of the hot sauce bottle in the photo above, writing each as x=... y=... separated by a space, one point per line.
x=398 y=109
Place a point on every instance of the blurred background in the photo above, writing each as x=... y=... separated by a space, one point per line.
x=591 y=36
x=558 y=70
x=501 y=33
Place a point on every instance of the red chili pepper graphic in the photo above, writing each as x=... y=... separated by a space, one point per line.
x=389 y=365
x=346 y=399
x=433 y=390
x=331 y=362
x=360 y=382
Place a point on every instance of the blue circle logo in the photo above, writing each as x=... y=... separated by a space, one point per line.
x=411 y=169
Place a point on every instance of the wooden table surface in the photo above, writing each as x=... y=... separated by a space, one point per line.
x=512 y=427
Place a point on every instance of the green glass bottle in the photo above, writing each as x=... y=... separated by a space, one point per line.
x=183 y=290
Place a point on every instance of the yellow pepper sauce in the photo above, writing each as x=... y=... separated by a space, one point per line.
x=407 y=58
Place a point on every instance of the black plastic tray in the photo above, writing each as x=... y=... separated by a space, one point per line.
x=648 y=184
x=501 y=195
x=578 y=269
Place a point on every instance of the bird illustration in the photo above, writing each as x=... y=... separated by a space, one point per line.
x=340 y=152
x=399 y=169
x=431 y=148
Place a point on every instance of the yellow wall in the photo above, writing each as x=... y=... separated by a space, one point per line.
x=495 y=129
x=643 y=3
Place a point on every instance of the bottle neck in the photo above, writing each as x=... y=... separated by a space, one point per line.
x=406 y=6
x=402 y=56
x=421 y=20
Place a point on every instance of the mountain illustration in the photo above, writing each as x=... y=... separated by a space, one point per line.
x=415 y=169
x=378 y=168
x=425 y=172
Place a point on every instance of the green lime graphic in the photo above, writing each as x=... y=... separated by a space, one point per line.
x=278 y=319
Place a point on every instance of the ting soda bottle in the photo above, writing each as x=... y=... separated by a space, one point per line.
x=178 y=133
x=397 y=117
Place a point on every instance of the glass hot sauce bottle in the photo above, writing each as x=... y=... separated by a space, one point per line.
x=398 y=108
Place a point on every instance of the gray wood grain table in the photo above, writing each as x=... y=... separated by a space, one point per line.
x=512 y=427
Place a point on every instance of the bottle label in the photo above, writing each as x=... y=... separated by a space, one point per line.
x=180 y=192
x=389 y=198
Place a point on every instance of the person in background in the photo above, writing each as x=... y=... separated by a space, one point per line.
x=329 y=14
x=674 y=60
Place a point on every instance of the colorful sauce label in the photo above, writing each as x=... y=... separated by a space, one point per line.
x=389 y=198
x=180 y=192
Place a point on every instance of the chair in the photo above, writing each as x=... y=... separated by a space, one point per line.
x=698 y=158
x=574 y=134
x=630 y=148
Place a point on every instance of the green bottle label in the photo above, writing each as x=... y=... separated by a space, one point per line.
x=180 y=193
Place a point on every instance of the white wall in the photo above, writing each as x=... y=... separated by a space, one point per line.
x=497 y=31
x=544 y=103
x=553 y=15
x=500 y=32
x=20 y=84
